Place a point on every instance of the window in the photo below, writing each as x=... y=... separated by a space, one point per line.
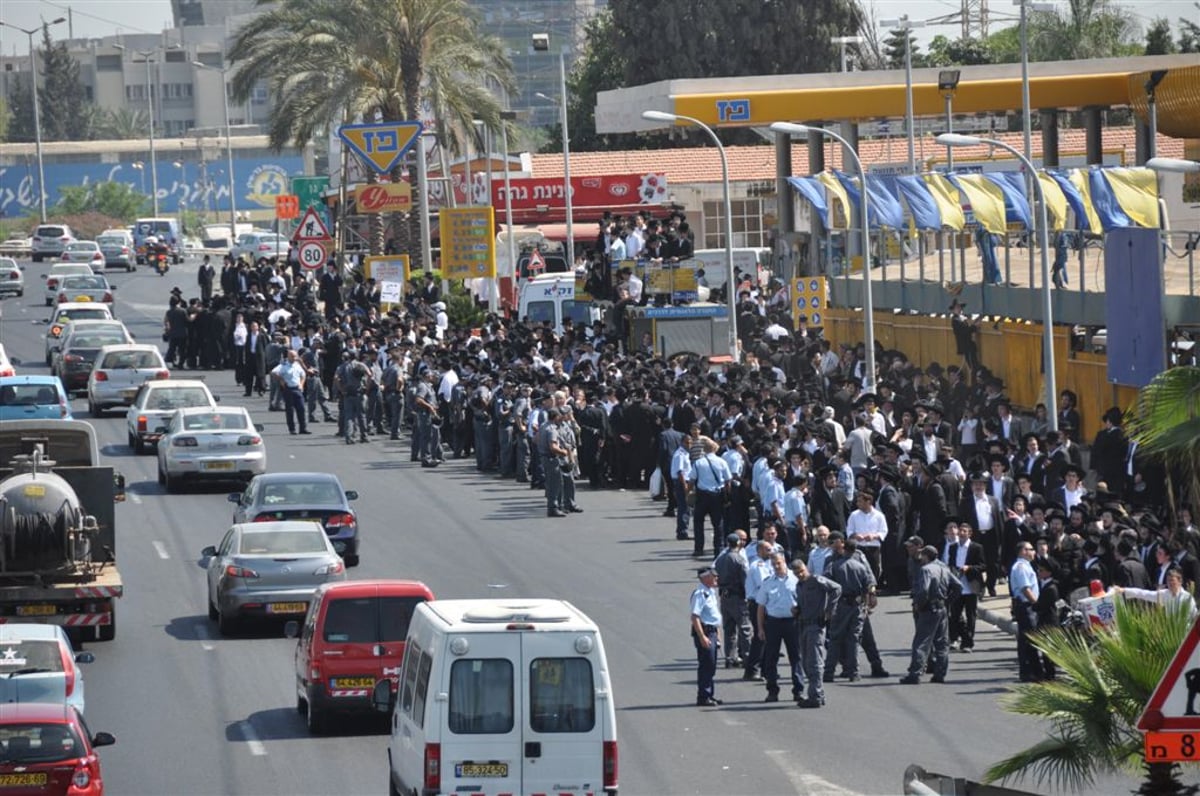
x=108 y=63
x=394 y=615
x=540 y=311
x=408 y=677
x=37 y=654
x=747 y=224
x=211 y=59
x=481 y=696
x=424 y=665
x=561 y=695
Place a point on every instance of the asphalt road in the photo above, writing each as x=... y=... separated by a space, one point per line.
x=197 y=714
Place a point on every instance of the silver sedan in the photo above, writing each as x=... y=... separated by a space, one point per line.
x=215 y=444
x=268 y=570
x=12 y=278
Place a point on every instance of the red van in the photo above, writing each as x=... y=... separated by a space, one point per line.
x=352 y=637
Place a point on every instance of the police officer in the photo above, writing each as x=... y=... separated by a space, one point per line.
x=777 y=625
x=854 y=575
x=480 y=404
x=568 y=438
x=549 y=451
x=349 y=382
x=732 y=568
x=392 y=382
x=759 y=569
x=425 y=409
x=502 y=413
x=706 y=629
x=520 y=412
x=816 y=598
x=930 y=593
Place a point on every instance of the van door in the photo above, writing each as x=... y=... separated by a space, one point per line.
x=482 y=743
x=563 y=737
x=350 y=647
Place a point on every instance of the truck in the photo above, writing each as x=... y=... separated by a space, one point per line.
x=58 y=561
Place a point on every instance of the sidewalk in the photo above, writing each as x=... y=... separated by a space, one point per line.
x=995 y=611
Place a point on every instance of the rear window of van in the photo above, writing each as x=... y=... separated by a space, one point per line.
x=368 y=620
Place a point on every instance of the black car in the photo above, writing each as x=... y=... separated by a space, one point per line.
x=303 y=496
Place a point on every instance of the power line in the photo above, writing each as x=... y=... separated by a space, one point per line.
x=119 y=25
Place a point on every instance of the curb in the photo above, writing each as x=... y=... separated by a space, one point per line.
x=1002 y=622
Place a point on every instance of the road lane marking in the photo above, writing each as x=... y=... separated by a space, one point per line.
x=205 y=637
x=134 y=497
x=256 y=746
x=804 y=781
x=161 y=549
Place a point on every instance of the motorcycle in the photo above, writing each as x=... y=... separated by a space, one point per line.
x=161 y=263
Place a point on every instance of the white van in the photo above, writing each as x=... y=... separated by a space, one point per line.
x=503 y=696
x=551 y=297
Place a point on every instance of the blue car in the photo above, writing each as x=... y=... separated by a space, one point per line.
x=33 y=398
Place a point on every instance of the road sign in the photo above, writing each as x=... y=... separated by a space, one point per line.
x=536 y=263
x=810 y=298
x=311 y=227
x=1172 y=747
x=312 y=255
x=380 y=145
x=468 y=242
x=310 y=191
x=1175 y=703
x=287 y=206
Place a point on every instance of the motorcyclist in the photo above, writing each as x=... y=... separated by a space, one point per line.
x=158 y=253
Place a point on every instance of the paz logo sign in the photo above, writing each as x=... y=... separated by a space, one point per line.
x=735 y=110
x=380 y=145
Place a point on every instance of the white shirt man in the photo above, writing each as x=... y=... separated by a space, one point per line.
x=866 y=523
x=635 y=288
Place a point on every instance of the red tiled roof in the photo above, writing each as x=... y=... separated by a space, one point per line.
x=702 y=164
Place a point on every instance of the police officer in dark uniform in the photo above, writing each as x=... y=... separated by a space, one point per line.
x=930 y=594
x=854 y=575
x=816 y=600
x=392 y=383
x=732 y=568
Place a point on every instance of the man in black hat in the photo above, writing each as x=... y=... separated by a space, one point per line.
x=983 y=513
x=964 y=330
x=1109 y=452
x=830 y=506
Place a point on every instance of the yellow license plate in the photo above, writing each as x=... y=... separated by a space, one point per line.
x=287 y=608
x=36 y=610
x=218 y=465
x=354 y=682
x=22 y=780
x=83 y=298
x=481 y=770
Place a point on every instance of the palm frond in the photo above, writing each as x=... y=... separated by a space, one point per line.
x=1060 y=760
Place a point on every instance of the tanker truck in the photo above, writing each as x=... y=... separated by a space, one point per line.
x=58 y=561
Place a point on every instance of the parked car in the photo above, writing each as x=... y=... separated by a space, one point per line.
x=155 y=402
x=85 y=288
x=84 y=251
x=58 y=271
x=39 y=665
x=260 y=245
x=49 y=240
x=119 y=371
x=303 y=496
x=12 y=277
x=82 y=341
x=215 y=444
x=117 y=247
x=47 y=749
x=63 y=314
x=7 y=368
x=268 y=570
x=33 y=397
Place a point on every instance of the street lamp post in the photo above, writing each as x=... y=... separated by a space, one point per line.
x=541 y=42
x=868 y=298
x=1174 y=164
x=228 y=149
x=905 y=24
x=37 y=117
x=505 y=117
x=955 y=139
x=1026 y=110
x=141 y=169
x=843 y=41
x=145 y=54
x=730 y=282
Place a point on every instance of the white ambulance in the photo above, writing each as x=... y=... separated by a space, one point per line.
x=504 y=696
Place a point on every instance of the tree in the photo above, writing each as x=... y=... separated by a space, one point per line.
x=1087 y=29
x=61 y=94
x=893 y=49
x=1158 y=37
x=121 y=124
x=1105 y=679
x=1165 y=423
x=114 y=199
x=20 y=109
x=3 y=120
x=1189 y=36
x=959 y=52
x=326 y=60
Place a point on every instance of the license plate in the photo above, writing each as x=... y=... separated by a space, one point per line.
x=218 y=465
x=471 y=770
x=83 y=298
x=354 y=682
x=22 y=780
x=287 y=608
x=217 y=446
x=129 y=394
x=36 y=610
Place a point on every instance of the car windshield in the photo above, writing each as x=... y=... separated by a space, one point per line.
x=28 y=656
x=28 y=395
x=95 y=339
x=302 y=494
x=81 y=247
x=51 y=232
x=98 y=314
x=39 y=743
x=110 y=240
x=84 y=283
x=177 y=398
x=120 y=360
x=233 y=421
x=283 y=542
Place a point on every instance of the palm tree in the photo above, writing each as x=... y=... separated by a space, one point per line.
x=1105 y=679
x=372 y=59
x=121 y=124
x=1087 y=29
x=1165 y=422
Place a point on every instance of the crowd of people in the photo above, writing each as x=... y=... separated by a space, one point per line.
x=810 y=493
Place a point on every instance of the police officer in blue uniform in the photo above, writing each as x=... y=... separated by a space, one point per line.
x=706 y=635
x=777 y=625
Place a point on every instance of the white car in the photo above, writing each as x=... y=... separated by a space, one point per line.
x=49 y=240
x=84 y=288
x=117 y=247
x=12 y=277
x=64 y=314
x=119 y=371
x=38 y=664
x=260 y=245
x=156 y=402
x=84 y=251
x=215 y=444
x=57 y=272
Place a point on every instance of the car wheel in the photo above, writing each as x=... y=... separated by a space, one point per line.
x=108 y=632
x=49 y=302
x=128 y=269
x=392 y=789
x=162 y=478
x=213 y=613
x=94 y=410
x=172 y=484
x=314 y=718
x=301 y=703
x=37 y=258
x=352 y=560
x=139 y=445
x=20 y=293
x=227 y=624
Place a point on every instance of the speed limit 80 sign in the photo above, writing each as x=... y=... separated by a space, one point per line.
x=312 y=255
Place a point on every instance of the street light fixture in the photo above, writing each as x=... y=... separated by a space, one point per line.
x=505 y=117
x=1156 y=77
x=37 y=118
x=868 y=298
x=1174 y=164
x=843 y=41
x=947 y=83
x=730 y=281
x=541 y=43
x=905 y=24
x=956 y=139
x=228 y=148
